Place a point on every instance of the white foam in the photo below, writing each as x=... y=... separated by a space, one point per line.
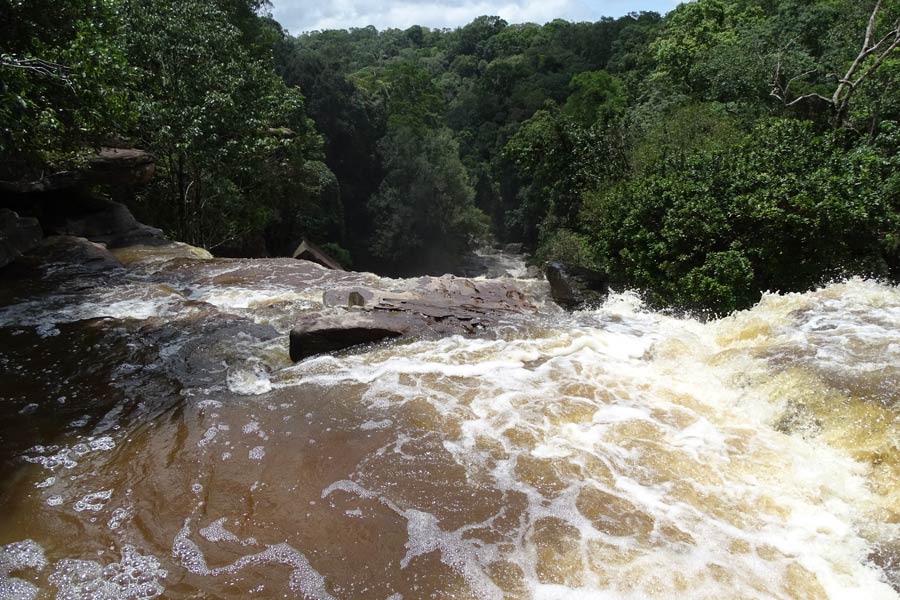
x=663 y=378
x=134 y=577
x=304 y=579
x=17 y=557
x=216 y=532
x=93 y=502
x=249 y=381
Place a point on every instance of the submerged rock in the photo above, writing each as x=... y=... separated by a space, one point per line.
x=158 y=252
x=17 y=235
x=347 y=297
x=574 y=287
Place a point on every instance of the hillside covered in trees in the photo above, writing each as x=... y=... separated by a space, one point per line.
x=726 y=148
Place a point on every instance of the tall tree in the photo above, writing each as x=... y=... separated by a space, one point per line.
x=63 y=82
x=425 y=215
x=216 y=115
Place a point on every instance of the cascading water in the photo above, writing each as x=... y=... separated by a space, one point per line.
x=158 y=443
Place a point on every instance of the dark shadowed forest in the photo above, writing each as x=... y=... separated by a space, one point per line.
x=724 y=149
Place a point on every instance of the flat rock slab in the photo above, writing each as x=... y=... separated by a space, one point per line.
x=434 y=307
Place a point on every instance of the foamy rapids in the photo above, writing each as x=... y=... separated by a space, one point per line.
x=615 y=453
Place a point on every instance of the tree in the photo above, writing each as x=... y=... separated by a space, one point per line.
x=880 y=41
x=689 y=32
x=218 y=118
x=352 y=121
x=63 y=83
x=782 y=209
x=424 y=212
x=597 y=97
x=555 y=161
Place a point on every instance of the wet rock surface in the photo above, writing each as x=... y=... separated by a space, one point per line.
x=155 y=433
x=437 y=306
x=306 y=307
x=72 y=250
x=576 y=287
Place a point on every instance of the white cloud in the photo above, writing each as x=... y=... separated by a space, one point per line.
x=300 y=15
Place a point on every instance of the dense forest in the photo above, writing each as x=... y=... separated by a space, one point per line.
x=728 y=147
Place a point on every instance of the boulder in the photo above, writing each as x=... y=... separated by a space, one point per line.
x=309 y=251
x=99 y=220
x=121 y=167
x=347 y=297
x=65 y=203
x=17 y=236
x=576 y=287
x=115 y=167
x=432 y=307
x=326 y=334
x=515 y=248
x=63 y=249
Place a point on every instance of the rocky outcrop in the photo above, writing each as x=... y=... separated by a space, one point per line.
x=436 y=306
x=116 y=167
x=575 y=287
x=17 y=236
x=102 y=221
x=65 y=204
x=121 y=167
x=64 y=249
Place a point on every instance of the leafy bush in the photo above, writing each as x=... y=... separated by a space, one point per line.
x=781 y=209
x=567 y=246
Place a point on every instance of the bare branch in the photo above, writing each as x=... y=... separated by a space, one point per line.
x=867 y=49
x=807 y=97
x=870 y=29
x=37 y=66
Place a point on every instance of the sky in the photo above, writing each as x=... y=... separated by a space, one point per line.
x=304 y=15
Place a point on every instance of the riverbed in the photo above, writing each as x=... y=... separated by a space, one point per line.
x=157 y=442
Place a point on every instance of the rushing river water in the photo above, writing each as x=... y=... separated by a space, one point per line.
x=157 y=442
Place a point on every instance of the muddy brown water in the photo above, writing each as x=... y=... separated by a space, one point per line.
x=158 y=443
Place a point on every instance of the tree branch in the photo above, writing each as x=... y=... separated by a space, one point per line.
x=39 y=67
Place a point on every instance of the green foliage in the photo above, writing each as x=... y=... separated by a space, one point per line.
x=63 y=81
x=597 y=97
x=670 y=137
x=691 y=30
x=232 y=141
x=567 y=246
x=781 y=209
x=424 y=212
x=556 y=161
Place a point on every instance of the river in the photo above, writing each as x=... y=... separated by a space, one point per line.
x=157 y=442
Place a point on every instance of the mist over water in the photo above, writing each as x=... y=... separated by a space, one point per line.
x=157 y=442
